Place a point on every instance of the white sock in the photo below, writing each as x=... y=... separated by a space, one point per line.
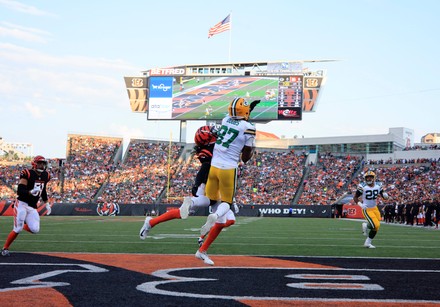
x=201 y=201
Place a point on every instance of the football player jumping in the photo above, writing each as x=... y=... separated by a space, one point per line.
x=370 y=190
x=31 y=187
x=204 y=138
x=235 y=142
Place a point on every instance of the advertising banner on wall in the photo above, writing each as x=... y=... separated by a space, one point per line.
x=115 y=209
x=352 y=212
x=294 y=211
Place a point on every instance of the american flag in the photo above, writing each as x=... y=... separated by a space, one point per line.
x=222 y=26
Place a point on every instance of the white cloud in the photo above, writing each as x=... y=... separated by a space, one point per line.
x=23 y=33
x=35 y=110
x=24 y=8
x=32 y=57
x=31 y=75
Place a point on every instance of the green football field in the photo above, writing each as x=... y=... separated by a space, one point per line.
x=249 y=236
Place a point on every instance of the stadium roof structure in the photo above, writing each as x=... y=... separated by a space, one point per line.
x=395 y=140
x=258 y=68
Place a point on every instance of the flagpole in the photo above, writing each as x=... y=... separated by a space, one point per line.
x=230 y=35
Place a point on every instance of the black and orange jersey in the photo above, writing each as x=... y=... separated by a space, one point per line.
x=34 y=180
x=204 y=153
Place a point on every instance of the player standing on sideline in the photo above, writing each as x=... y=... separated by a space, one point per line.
x=235 y=142
x=370 y=190
x=204 y=138
x=31 y=187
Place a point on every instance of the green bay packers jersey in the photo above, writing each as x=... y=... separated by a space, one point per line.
x=369 y=193
x=233 y=135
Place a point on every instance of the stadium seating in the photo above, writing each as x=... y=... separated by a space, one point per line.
x=152 y=172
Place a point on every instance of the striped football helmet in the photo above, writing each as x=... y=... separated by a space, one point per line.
x=205 y=135
x=372 y=176
x=39 y=160
x=239 y=109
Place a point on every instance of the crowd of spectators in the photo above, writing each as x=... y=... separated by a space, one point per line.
x=6 y=192
x=154 y=172
x=270 y=178
x=9 y=174
x=328 y=179
x=401 y=161
x=182 y=182
x=418 y=147
x=89 y=163
x=143 y=175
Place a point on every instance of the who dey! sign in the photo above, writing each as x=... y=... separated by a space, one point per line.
x=296 y=211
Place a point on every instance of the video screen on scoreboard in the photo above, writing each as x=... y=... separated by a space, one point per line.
x=207 y=98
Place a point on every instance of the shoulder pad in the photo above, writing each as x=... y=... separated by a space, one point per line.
x=25 y=173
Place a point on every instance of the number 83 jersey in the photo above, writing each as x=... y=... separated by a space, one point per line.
x=233 y=135
x=369 y=193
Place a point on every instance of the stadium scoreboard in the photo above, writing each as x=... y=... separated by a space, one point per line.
x=203 y=92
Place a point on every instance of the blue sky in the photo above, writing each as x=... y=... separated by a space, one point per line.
x=62 y=63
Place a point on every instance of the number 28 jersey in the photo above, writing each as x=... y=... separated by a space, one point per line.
x=369 y=193
x=231 y=138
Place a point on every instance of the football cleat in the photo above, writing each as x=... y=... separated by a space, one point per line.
x=204 y=256
x=210 y=221
x=364 y=229
x=5 y=252
x=368 y=244
x=200 y=241
x=145 y=228
x=184 y=208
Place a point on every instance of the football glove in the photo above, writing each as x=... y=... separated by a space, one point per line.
x=240 y=169
x=362 y=205
x=236 y=209
x=385 y=195
x=253 y=104
x=35 y=191
x=48 y=209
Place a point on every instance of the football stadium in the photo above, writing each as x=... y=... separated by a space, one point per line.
x=297 y=239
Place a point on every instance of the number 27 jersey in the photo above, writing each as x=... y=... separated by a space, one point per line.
x=232 y=137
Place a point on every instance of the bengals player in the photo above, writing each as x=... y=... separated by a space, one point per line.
x=31 y=187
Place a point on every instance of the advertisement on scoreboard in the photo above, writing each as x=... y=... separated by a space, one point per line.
x=161 y=98
x=208 y=98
